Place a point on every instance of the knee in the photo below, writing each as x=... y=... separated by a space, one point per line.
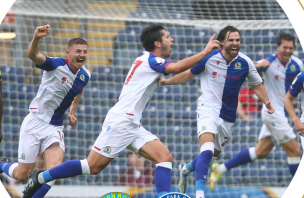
x=96 y=169
x=261 y=154
x=21 y=177
x=296 y=152
x=166 y=157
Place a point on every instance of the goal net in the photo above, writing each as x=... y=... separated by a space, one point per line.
x=112 y=29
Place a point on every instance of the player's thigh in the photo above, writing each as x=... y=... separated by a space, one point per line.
x=264 y=146
x=225 y=129
x=53 y=155
x=292 y=148
x=149 y=146
x=29 y=140
x=97 y=162
x=156 y=151
x=117 y=133
x=278 y=127
x=207 y=123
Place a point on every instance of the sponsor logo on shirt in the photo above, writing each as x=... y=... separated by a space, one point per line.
x=237 y=65
x=64 y=79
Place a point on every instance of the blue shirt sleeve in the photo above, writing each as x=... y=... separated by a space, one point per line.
x=270 y=58
x=51 y=63
x=158 y=64
x=200 y=67
x=297 y=85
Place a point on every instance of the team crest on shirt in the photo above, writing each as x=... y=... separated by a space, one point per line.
x=82 y=77
x=237 y=65
x=204 y=127
x=23 y=156
x=107 y=150
x=214 y=74
x=292 y=68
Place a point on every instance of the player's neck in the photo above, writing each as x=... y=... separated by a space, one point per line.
x=156 y=53
x=282 y=60
x=227 y=57
x=74 y=69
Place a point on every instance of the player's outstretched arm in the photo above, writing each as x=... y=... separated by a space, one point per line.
x=261 y=93
x=33 y=52
x=187 y=63
x=72 y=119
x=178 y=79
x=299 y=126
x=263 y=63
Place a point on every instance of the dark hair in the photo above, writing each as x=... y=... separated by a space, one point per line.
x=149 y=35
x=222 y=34
x=286 y=37
x=78 y=41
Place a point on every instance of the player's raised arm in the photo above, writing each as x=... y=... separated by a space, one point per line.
x=187 y=63
x=261 y=93
x=33 y=52
x=263 y=63
x=72 y=119
x=178 y=79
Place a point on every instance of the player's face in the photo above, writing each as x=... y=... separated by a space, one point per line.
x=77 y=54
x=166 y=44
x=285 y=51
x=231 y=45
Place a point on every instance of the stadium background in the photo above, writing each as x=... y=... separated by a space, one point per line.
x=112 y=29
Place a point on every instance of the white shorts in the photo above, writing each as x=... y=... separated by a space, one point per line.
x=210 y=123
x=118 y=133
x=36 y=136
x=277 y=128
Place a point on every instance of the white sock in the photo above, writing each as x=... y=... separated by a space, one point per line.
x=11 y=169
x=40 y=178
x=252 y=153
x=223 y=168
x=85 y=167
x=200 y=194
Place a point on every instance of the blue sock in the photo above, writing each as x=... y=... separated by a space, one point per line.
x=42 y=191
x=293 y=168
x=192 y=164
x=201 y=169
x=69 y=168
x=4 y=167
x=162 y=180
x=242 y=157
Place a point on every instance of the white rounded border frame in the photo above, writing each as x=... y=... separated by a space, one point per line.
x=294 y=10
x=4 y=8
